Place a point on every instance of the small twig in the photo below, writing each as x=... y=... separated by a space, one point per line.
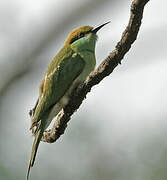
x=104 y=69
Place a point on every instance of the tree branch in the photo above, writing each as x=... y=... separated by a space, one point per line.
x=104 y=69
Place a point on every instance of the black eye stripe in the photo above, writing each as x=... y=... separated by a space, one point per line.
x=73 y=39
x=77 y=37
x=80 y=35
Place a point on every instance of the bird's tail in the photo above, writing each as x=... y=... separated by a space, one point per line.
x=36 y=142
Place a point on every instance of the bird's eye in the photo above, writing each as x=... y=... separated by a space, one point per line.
x=81 y=35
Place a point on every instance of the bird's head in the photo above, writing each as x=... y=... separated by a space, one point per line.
x=83 y=38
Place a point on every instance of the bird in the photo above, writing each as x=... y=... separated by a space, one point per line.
x=69 y=68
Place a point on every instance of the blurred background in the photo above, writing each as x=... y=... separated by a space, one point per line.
x=120 y=130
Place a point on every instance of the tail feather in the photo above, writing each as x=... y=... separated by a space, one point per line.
x=37 y=139
x=28 y=172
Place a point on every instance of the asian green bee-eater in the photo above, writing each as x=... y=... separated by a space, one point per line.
x=69 y=67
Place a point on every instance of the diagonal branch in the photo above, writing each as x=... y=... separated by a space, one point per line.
x=104 y=69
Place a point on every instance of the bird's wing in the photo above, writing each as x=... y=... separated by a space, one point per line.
x=63 y=70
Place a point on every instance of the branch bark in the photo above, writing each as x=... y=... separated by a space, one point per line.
x=104 y=69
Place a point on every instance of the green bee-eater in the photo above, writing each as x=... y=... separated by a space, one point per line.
x=69 y=67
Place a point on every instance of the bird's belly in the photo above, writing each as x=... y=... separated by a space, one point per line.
x=54 y=111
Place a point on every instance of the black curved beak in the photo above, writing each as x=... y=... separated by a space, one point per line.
x=99 y=27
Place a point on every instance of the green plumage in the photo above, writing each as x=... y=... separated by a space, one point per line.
x=62 y=71
x=69 y=67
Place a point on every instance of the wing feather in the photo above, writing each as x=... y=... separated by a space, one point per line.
x=57 y=81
